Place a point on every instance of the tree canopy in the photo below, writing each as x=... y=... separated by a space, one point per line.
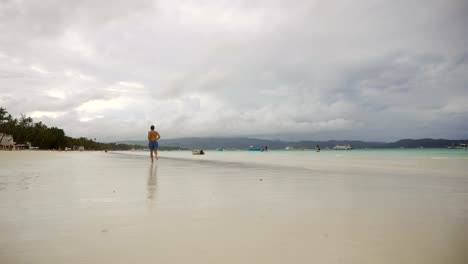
x=39 y=135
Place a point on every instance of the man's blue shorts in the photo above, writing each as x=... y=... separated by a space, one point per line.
x=153 y=144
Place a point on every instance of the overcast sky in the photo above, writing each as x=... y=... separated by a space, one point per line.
x=370 y=69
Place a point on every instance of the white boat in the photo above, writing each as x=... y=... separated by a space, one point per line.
x=458 y=146
x=288 y=148
x=342 y=147
x=198 y=152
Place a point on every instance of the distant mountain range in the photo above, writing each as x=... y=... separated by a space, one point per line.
x=244 y=143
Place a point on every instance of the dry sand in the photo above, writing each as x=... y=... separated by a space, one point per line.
x=240 y=207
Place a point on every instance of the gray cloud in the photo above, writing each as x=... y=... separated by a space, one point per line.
x=373 y=70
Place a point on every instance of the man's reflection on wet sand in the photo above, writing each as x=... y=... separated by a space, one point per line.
x=152 y=182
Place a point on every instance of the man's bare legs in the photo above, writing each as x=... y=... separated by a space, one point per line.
x=155 y=154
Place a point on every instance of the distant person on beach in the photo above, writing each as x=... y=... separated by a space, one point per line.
x=153 y=137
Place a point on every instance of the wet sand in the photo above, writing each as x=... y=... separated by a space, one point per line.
x=240 y=207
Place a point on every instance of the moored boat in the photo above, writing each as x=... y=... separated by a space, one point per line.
x=458 y=146
x=342 y=147
x=252 y=148
x=198 y=152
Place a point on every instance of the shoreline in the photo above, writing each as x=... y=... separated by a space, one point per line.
x=89 y=207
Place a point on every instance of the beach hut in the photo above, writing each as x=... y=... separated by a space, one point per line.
x=20 y=146
x=6 y=141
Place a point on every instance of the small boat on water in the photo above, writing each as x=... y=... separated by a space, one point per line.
x=252 y=148
x=342 y=147
x=198 y=152
x=288 y=148
x=458 y=146
x=220 y=149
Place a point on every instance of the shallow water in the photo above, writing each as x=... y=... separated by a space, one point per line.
x=234 y=207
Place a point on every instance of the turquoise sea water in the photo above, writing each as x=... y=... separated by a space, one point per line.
x=385 y=150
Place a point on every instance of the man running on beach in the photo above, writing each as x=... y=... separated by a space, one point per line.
x=153 y=137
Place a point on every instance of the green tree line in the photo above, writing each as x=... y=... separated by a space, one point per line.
x=24 y=129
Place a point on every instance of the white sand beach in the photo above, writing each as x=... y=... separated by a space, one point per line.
x=234 y=207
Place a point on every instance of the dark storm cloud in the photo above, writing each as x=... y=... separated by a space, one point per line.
x=373 y=70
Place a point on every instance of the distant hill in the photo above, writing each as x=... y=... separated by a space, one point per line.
x=244 y=143
x=425 y=142
x=213 y=143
